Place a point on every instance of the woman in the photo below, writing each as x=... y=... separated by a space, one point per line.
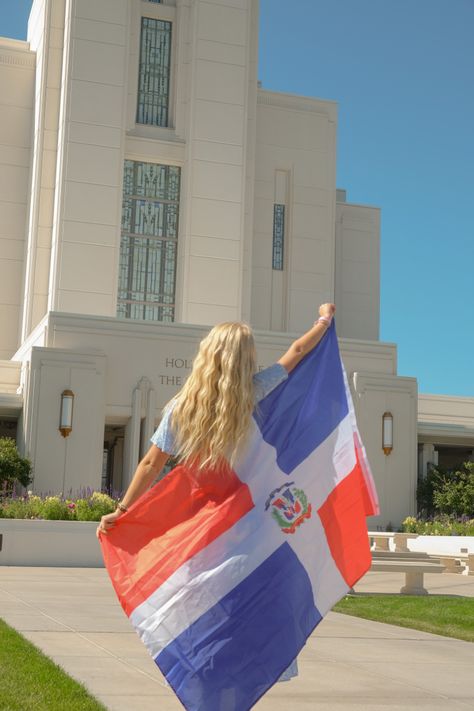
x=208 y=420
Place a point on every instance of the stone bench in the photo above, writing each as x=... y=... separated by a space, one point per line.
x=417 y=556
x=382 y=540
x=413 y=569
x=470 y=563
x=454 y=563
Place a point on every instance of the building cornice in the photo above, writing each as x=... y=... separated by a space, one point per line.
x=43 y=334
x=295 y=102
x=456 y=399
x=11 y=404
x=10 y=373
x=444 y=433
x=16 y=53
x=384 y=381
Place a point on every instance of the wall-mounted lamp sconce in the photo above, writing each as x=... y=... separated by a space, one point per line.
x=65 y=413
x=387 y=432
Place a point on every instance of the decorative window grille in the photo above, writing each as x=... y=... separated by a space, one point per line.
x=154 y=72
x=149 y=243
x=278 y=236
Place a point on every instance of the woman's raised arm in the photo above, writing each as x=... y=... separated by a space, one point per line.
x=308 y=340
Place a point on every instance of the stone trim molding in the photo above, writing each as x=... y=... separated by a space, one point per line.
x=22 y=59
x=298 y=103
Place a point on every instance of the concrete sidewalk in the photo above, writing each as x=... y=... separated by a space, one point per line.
x=351 y=664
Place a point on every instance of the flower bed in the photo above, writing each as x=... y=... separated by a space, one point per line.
x=439 y=526
x=52 y=530
x=86 y=506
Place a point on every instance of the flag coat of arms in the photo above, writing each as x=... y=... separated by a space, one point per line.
x=225 y=574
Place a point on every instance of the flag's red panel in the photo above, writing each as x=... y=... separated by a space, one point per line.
x=190 y=510
x=343 y=517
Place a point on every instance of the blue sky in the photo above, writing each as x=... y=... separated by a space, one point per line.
x=401 y=72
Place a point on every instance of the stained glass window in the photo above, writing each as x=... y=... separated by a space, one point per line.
x=147 y=271
x=278 y=236
x=154 y=72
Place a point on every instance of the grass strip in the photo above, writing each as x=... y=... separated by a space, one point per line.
x=30 y=681
x=438 y=614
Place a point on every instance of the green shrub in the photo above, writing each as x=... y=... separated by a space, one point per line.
x=447 y=492
x=455 y=495
x=94 y=507
x=439 y=526
x=57 y=508
x=13 y=467
x=24 y=507
x=54 y=508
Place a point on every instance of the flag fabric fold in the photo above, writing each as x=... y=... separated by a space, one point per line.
x=225 y=574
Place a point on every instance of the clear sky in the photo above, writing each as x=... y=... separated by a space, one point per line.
x=402 y=74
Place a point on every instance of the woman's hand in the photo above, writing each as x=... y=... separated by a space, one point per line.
x=107 y=522
x=327 y=310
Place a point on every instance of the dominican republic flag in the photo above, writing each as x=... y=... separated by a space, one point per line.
x=224 y=575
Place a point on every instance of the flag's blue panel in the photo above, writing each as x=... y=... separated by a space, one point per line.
x=230 y=656
x=295 y=418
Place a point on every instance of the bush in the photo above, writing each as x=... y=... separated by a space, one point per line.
x=447 y=492
x=55 y=508
x=94 y=507
x=89 y=507
x=13 y=467
x=21 y=507
x=439 y=526
x=455 y=495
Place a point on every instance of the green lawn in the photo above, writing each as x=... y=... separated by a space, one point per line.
x=439 y=614
x=29 y=681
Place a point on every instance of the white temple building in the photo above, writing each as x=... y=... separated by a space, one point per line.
x=149 y=188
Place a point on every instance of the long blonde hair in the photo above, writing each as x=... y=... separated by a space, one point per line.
x=212 y=411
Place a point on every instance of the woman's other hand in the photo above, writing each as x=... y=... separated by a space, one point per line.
x=107 y=522
x=327 y=310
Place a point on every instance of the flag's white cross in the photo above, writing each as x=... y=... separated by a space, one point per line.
x=207 y=577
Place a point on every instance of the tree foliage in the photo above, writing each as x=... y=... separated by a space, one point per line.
x=13 y=467
x=447 y=491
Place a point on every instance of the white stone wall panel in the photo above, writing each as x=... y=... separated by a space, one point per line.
x=96 y=62
x=227 y=23
x=93 y=164
x=217 y=181
x=96 y=104
x=221 y=277
x=216 y=218
x=101 y=200
x=103 y=10
x=222 y=123
x=220 y=82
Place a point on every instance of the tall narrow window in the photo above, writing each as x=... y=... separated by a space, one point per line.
x=147 y=273
x=154 y=72
x=278 y=236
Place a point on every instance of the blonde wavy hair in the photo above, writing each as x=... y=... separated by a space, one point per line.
x=212 y=412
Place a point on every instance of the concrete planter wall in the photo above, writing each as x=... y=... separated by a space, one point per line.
x=434 y=545
x=74 y=544
x=50 y=543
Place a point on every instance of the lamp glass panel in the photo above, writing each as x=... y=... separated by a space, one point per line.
x=66 y=411
x=388 y=431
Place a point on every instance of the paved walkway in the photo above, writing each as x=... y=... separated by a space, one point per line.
x=348 y=664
